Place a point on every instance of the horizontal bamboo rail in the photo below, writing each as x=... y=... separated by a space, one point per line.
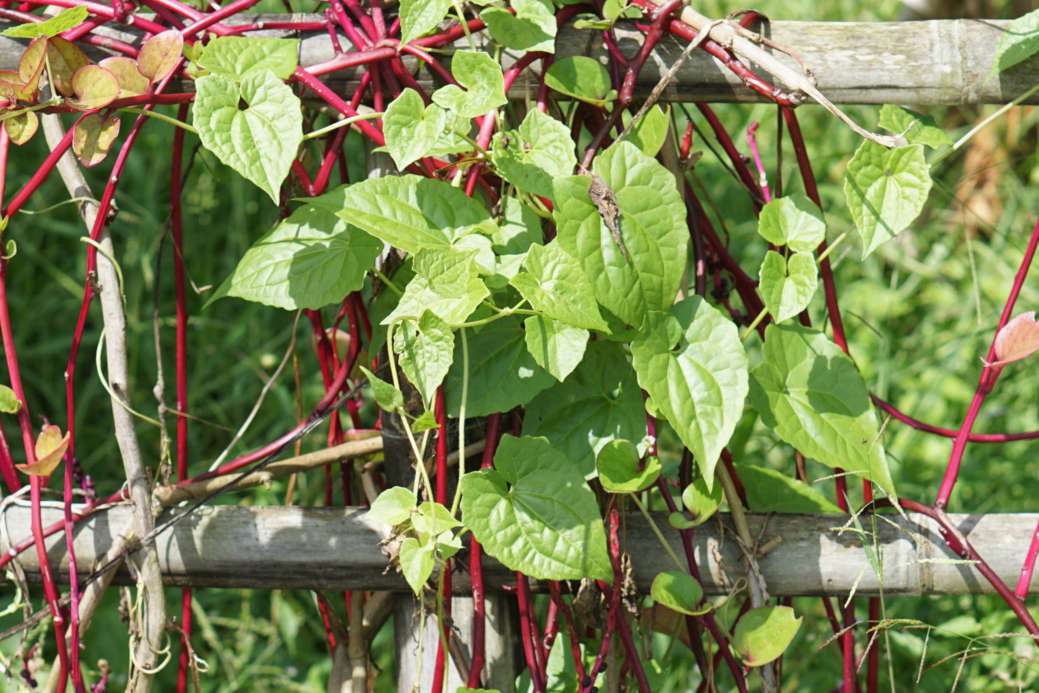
x=926 y=63
x=330 y=548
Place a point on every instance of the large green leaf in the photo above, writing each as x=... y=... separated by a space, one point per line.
x=650 y=132
x=652 y=225
x=691 y=362
x=597 y=403
x=555 y=285
x=445 y=284
x=534 y=155
x=502 y=373
x=255 y=126
x=1019 y=41
x=763 y=634
x=416 y=562
x=409 y=212
x=582 y=78
x=771 y=491
x=411 y=128
x=556 y=346
x=530 y=27
x=885 y=190
x=810 y=393
x=535 y=514
x=418 y=17
x=483 y=82
x=238 y=57
x=793 y=221
x=425 y=347
x=787 y=284
x=310 y=260
x=679 y=592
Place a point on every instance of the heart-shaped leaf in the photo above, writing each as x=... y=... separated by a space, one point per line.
x=700 y=501
x=787 y=284
x=555 y=285
x=416 y=562
x=483 y=82
x=885 y=190
x=160 y=55
x=237 y=57
x=531 y=26
x=580 y=77
x=556 y=346
x=30 y=68
x=535 y=154
x=393 y=506
x=131 y=81
x=411 y=128
x=93 y=137
x=793 y=221
x=426 y=348
x=94 y=87
x=254 y=126
x=419 y=17
x=386 y=395
x=763 y=634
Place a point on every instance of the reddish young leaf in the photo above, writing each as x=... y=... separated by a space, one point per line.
x=65 y=58
x=50 y=447
x=1018 y=339
x=93 y=138
x=21 y=127
x=160 y=55
x=30 y=68
x=94 y=86
x=131 y=81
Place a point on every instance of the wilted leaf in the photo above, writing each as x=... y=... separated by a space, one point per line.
x=160 y=55
x=1018 y=339
x=50 y=447
x=94 y=87
x=131 y=81
x=93 y=137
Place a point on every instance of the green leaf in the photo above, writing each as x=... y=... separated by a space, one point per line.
x=555 y=285
x=580 y=77
x=416 y=562
x=599 y=402
x=238 y=57
x=885 y=190
x=691 y=362
x=793 y=221
x=9 y=403
x=386 y=395
x=393 y=506
x=650 y=132
x=59 y=23
x=535 y=514
x=556 y=346
x=411 y=128
x=763 y=634
x=445 y=284
x=484 y=85
x=502 y=373
x=533 y=156
x=917 y=128
x=258 y=141
x=310 y=260
x=419 y=17
x=771 y=491
x=519 y=228
x=425 y=348
x=426 y=422
x=701 y=501
x=810 y=393
x=1019 y=41
x=531 y=28
x=787 y=284
x=620 y=471
x=408 y=212
x=678 y=592
x=433 y=519
x=653 y=228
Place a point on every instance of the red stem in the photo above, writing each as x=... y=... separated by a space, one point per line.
x=479 y=646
